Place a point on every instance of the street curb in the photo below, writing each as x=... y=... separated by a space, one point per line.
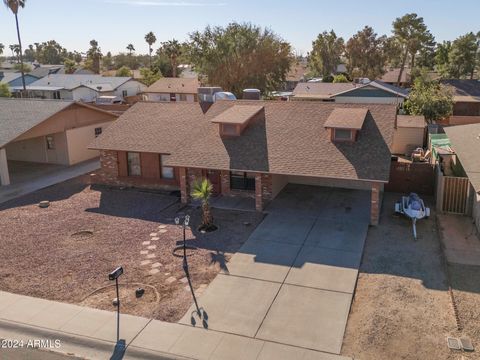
x=80 y=346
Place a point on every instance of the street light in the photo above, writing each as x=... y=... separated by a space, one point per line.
x=186 y=221
x=114 y=275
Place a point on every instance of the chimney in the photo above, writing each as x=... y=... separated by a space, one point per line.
x=251 y=94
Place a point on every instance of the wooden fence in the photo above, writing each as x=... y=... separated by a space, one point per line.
x=411 y=177
x=452 y=193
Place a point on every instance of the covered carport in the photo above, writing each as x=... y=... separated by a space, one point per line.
x=38 y=137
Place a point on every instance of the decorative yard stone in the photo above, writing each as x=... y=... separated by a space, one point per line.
x=151 y=256
x=162 y=231
x=155 y=265
x=162 y=226
x=151 y=247
x=154 y=271
x=155 y=238
x=144 y=252
x=171 y=279
x=184 y=280
x=146 y=243
x=153 y=234
x=145 y=262
x=44 y=204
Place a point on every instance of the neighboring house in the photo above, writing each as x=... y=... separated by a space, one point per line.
x=48 y=131
x=15 y=78
x=86 y=88
x=391 y=77
x=466 y=97
x=465 y=141
x=250 y=148
x=44 y=70
x=409 y=134
x=173 y=89
x=374 y=92
x=297 y=74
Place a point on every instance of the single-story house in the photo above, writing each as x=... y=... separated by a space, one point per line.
x=465 y=141
x=391 y=77
x=86 y=88
x=374 y=92
x=409 y=134
x=295 y=75
x=466 y=97
x=173 y=89
x=250 y=147
x=15 y=78
x=48 y=132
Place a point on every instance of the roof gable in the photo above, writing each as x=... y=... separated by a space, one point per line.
x=346 y=118
x=174 y=85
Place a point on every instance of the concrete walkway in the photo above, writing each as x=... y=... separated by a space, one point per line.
x=293 y=280
x=50 y=178
x=91 y=334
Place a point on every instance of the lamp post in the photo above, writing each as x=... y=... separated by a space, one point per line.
x=184 y=224
x=114 y=275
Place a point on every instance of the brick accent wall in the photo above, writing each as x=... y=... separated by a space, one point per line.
x=263 y=190
x=109 y=175
x=184 y=188
x=225 y=182
x=375 y=204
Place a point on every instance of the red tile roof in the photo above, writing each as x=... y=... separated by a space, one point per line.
x=285 y=138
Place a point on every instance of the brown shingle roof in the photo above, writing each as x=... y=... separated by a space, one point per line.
x=411 y=121
x=174 y=85
x=391 y=76
x=284 y=138
x=346 y=118
x=237 y=114
x=464 y=90
x=465 y=140
x=321 y=90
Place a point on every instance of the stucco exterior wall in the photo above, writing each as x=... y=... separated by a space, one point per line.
x=368 y=100
x=35 y=150
x=78 y=140
x=476 y=210
x=165 y=97
x=132 y=87
x=405 y=140
x=278 y=183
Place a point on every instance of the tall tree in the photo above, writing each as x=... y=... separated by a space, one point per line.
x=107 y=61
x=150 y=38
x=173 y=50
x=94 y=54
x=50 y=52
x=2 y=47
x=413 y=35
x=240 y=56
x=442 y=62
x=14 y=5
x=29 y=54
x=430 y=99
x=463 y=56
x=365 y=54
x=70 y=66
x=15 y=49
x=130 y=48
x=326 y=52
x=5 y=90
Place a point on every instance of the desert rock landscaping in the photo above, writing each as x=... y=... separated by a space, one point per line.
x=65 y=251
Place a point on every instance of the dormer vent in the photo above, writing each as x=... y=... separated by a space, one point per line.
x=345 y=123
x=234 y=120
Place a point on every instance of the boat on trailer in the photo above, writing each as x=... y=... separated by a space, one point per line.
x=414 y=208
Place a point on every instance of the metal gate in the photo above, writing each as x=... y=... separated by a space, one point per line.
x=455 y=195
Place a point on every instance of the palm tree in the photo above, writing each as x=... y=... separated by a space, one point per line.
x=173 y=49
x=130 y=48
x=14 y=5
x=202 y=190
x=1 y=48
x=150 y=38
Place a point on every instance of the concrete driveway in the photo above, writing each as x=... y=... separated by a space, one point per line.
x=293 y=280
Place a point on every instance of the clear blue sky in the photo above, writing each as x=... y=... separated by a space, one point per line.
x=115 y=23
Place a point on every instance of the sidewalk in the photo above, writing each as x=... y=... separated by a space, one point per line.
x=13 y=191
x=91 y=333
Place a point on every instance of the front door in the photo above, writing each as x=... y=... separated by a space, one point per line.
x=214 y=177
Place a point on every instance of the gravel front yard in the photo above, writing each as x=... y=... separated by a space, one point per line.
x=401 y=308
x=64 y=252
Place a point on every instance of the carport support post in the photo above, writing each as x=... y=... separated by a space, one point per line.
x=4 y=175
x=183 y=185
x=375 y=204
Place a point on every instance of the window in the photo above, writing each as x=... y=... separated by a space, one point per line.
x=56 y=95
x=167 y=171
x=342 y=134
x=229 y=129
x=133 y=162
x=183 y=97
x=240 y=180
x=124 y=93
x=50 y=142
x=98 y=131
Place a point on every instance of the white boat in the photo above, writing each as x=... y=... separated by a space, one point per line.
x=414 y=208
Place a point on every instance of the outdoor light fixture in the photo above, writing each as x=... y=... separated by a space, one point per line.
x=114 y=275
x=186 y=221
